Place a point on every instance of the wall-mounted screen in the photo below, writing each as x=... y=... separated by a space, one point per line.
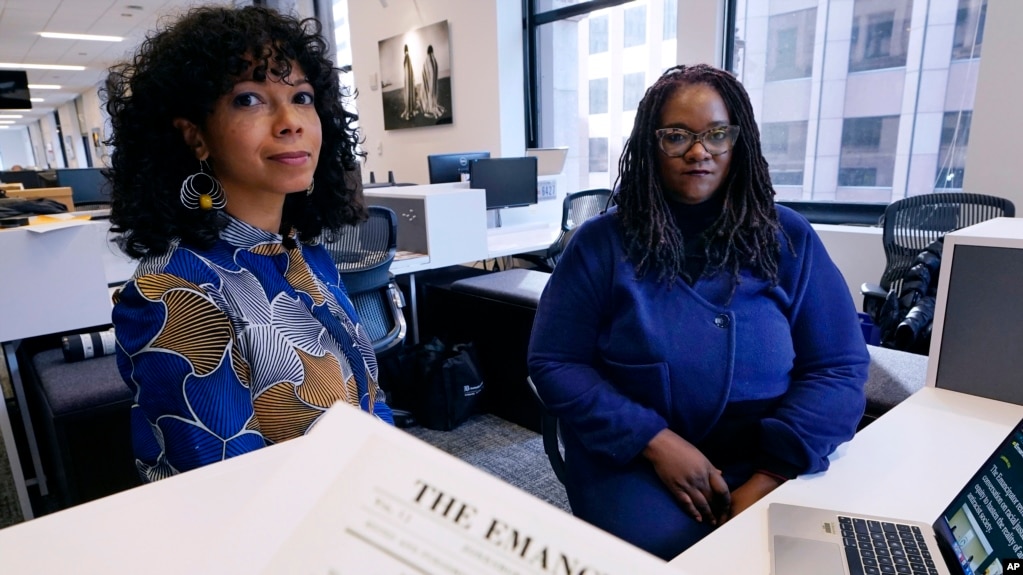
x=14 y=90
x=445 y=168
x=509 y=182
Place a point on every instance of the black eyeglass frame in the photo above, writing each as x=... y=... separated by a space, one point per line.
x=731 y=131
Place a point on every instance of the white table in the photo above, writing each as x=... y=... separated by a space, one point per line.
x=909 y=464
x=518 y=239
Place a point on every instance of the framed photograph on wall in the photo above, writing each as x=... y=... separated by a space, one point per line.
x=415 y=78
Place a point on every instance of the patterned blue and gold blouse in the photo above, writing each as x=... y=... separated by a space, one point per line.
x=238 y=346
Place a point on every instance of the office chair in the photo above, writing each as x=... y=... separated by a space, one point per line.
x=913 y=224
x=576 y=209
x=363 y=254
x=551 y=433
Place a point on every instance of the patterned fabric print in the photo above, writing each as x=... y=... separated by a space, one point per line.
x=237 y=346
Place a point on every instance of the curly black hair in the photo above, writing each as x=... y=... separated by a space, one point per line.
x=180 y=71
x=746 y=232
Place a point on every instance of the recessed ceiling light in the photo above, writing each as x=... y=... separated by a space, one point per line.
x=92 y=37
x=36 y=100
x=44 y=87
x=5 y=127
x=11 y=65
x=6 y=121
x=10 y=116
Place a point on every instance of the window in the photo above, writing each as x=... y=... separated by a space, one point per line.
x=598 y=96
x=865 y=126
x=969 y=32
x=635 y=26
x=598 y=35
x=669 y=22
x=955 y=135
x=868 y=151
x=880 y=35
x=586 y=100
x=633 y=88
x=790 y=45
x=784 y=146
x=598 y=155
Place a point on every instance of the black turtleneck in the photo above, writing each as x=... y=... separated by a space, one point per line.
x=693 y=220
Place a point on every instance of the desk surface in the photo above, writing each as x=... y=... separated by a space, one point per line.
x=908 y=464
x=511 y=240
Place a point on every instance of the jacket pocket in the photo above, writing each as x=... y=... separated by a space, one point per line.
x=646 y=384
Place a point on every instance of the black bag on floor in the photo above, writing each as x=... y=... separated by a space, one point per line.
x=446 y=382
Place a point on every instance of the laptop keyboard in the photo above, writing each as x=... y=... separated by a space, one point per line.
x=875 y=547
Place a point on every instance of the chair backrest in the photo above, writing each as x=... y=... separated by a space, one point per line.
x=363 y=254
x=576 y=209
x=912 y=224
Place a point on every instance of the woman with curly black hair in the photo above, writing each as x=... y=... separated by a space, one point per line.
x=697 y=343
x=233 y=154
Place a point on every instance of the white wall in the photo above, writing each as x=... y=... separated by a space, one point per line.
x=486 y=82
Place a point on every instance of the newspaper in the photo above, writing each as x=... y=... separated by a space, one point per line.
x=363 y=497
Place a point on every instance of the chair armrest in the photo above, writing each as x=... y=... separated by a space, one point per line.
x=872 y=290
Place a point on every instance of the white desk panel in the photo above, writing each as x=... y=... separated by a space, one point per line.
x=907 y=464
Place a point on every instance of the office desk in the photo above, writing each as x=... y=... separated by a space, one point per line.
x=908 y=464
x=511 y=240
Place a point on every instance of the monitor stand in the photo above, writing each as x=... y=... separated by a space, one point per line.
x=497 y=216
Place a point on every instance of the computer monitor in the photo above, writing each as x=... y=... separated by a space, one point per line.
x=27 y=178
x=509 y=182
x=977 y=334
x=446 y=168
x=88 y=185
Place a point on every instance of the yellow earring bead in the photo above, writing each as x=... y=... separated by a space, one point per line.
x=205 y=201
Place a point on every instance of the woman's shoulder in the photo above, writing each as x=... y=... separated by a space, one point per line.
x=181 y=260
x=794 y=224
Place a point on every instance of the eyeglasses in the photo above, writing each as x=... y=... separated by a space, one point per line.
x=676 y=142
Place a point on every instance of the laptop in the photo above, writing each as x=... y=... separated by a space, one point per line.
x=981 y=527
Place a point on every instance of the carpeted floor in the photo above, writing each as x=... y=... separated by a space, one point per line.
x=512 y=453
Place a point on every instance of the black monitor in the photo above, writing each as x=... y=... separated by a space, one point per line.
x=27 y=178
x=446 y=168
x=509 y=182
x=88 y=185
x=14 y=90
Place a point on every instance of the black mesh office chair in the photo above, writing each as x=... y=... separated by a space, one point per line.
x=550 y=430
x=913 y=224
x=576 y=209
x=363 y=254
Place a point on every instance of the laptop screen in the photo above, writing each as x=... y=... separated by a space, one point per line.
x=984 y=523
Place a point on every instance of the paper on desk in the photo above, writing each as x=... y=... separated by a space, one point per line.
x=50 y=222
x=364 y=497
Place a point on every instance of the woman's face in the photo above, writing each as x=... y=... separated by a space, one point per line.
x=696 y=175
x=264 y=138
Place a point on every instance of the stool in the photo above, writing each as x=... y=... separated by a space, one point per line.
x=894 y=375
x=84 y=410
x=496 y=312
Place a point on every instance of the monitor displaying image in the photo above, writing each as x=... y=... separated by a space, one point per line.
x=445 y=168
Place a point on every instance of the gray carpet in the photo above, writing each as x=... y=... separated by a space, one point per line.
x=512 y=453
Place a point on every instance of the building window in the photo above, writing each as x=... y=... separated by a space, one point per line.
x=880 y=35
x=635 y=26
x=868 y=151
x=670 y=20
x=955 y=135
x=969 y=32
x=598 y=96
x=633 y=88
x=784 y=146
x=598 y=35
x=790 y=39
x=598 y=155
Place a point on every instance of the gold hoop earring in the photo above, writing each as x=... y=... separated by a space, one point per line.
x=193 y=199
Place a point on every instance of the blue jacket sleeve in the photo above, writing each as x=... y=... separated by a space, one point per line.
x=563 y=351
x=176 y=351
x=825 y=399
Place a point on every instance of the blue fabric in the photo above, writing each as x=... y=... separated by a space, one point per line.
x=231 y=348
x=771 y=380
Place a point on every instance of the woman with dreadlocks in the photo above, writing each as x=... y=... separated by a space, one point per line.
x=696 y=341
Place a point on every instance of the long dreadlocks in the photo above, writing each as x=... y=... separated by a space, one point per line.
x=746 y=232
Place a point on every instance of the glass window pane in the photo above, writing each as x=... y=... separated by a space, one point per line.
x=880 y=34
x=790 y=44
x=847 y=111
x=633 y=88
x=598 y=155
x=598 y=96
x=670 y=20
x=598 y=34
x=635 y=26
